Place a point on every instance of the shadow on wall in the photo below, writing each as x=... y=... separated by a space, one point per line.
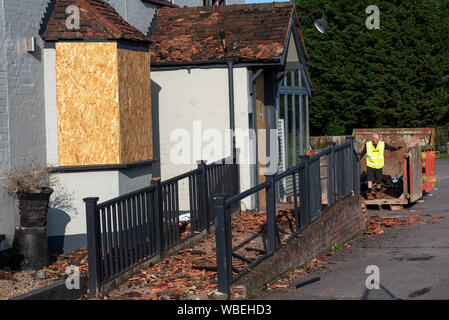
x=155 y=90
x=58 y=218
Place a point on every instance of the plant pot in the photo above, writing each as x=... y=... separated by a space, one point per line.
x=33 y=207
x=29 y=249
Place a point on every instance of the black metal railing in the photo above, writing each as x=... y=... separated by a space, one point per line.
x=128 y=230
x=343 y=174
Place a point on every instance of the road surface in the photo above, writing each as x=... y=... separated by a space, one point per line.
x=413 y=259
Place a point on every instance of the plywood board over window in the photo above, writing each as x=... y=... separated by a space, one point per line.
x=104 y=105
x=136 y=142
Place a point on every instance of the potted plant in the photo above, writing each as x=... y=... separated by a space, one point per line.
x=32 y=185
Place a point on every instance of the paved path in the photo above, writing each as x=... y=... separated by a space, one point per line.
x=413 y=259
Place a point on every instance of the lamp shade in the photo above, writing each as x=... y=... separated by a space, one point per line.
x=321 y=25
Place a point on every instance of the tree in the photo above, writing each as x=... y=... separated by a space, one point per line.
x=394 y=76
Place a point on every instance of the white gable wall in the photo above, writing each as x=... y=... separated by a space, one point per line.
x=292 y=52
x=200 y=95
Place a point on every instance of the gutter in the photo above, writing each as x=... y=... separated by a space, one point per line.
x=104 y=167
x=165 y=66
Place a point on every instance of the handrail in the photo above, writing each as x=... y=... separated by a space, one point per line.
x=289 y=171
x=218 y=162
x=246 y=193
x=342 y=179
x=163 y=183
x=180 y=177
x=320 y=154
x=125 y=231
x=125 y=196
x=342 y=146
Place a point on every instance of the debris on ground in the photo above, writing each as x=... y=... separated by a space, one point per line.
x=191 y=274
x=376 y=224
x=15 y=283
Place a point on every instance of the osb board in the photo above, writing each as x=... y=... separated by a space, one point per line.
x=88 y=103
x=136 y=143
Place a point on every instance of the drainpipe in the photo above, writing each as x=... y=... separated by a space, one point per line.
x=231 y=105
x=255 y=170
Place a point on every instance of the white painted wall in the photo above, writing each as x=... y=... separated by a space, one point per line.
x=51 y=107
x=67 y=214
x=200 y=95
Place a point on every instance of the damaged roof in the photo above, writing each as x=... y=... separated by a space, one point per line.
x=98 y=21
x=205 y=34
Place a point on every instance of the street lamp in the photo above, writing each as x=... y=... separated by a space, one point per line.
x=320 y=24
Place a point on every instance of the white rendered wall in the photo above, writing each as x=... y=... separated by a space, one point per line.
x=200 y=95
x=51 y=108
x=67 y=215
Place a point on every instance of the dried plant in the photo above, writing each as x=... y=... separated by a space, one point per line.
x=31 y=177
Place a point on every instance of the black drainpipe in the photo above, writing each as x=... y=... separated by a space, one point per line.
x=231 y=105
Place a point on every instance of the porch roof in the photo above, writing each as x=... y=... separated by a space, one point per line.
x=246 y=33
x=98 y=21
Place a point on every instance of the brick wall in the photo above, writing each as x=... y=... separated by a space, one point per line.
x=22 y=98
x=5 y=203
x=342 y=222
x=4 y=148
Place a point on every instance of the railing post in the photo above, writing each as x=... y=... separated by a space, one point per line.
x=350 y=165
x=331 y=174
x=357 y=190
x=353 y=163
x=272 y=235
x=93 y=245
x=223 y=243
x=304 y=196
x=204 y=195
x=158 y=216
x=237 y=172
x=296 y=178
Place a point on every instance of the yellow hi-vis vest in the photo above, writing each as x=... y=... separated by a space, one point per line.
x=375 y=156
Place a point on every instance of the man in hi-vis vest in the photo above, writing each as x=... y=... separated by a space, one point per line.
x=374 y=151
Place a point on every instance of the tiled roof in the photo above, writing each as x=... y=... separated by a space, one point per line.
x=246 y=32
x=98 y=21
